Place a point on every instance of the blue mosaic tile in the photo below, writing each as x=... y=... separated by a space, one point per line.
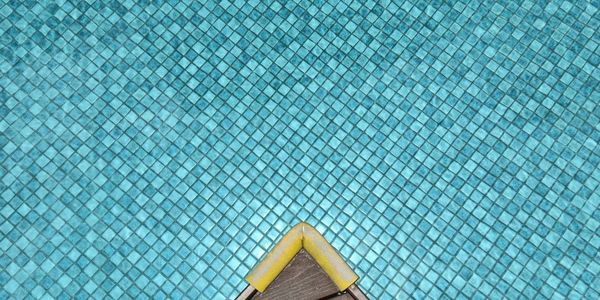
x=158 y=149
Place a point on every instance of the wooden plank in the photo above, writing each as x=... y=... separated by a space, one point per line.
x=302 y=279
x=247 y=293
x=356 y=293
x=342 y=297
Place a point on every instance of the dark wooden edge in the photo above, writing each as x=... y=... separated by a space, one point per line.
x=247 y=293
x=356 y=293
x=332 y=296
x=353 y=290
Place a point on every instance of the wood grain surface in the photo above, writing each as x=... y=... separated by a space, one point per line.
x=302 y=279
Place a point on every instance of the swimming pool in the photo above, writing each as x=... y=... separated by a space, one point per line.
x=157 y=149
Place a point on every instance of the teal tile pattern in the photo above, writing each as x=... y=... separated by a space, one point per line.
x=158 y=148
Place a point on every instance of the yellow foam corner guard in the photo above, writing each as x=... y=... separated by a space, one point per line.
x=302 y=236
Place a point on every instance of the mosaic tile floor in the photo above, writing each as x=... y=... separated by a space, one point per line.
x=157 y=149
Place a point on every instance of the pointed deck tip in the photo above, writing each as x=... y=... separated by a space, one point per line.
x=302 y=236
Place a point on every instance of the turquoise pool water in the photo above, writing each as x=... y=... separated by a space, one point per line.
x=158 y=149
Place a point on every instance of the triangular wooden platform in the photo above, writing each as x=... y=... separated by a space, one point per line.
x=302 y=266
